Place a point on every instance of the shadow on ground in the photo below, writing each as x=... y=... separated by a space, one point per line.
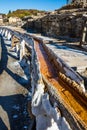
x=3 y=65
x=13 y=108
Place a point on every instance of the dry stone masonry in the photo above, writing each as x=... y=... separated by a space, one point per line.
x=79 y=1
x=62 y=22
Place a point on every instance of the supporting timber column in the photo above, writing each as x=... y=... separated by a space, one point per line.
x=84 y=3
x=84 y=32
x=9 y=35
x=0 y=31
x=14 y=40
x=3 y=32
x=6 y=33
x=22 y=49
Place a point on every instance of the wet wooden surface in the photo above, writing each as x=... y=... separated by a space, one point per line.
x=70 y=97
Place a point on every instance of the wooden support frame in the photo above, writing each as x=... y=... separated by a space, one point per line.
x=84 y=32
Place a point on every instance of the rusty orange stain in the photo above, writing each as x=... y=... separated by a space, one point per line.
x=50 y=74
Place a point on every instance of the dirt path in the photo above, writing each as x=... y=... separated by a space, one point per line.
x=14 y=88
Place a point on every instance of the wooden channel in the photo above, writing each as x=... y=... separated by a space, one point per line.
x=70 y=96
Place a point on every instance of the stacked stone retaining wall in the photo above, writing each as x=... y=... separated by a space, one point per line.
x=60 y=24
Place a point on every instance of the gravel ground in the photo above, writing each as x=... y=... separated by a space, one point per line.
x=14 y=89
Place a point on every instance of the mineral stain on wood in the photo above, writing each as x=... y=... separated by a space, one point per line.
x=69 y=96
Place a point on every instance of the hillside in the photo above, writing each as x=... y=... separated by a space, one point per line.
x=24 y=12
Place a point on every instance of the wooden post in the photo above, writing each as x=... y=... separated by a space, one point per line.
x=84 y=3
x=9 y=36
x=22 y=49
x=84 y=31
x=5 y=33
x=14 y=41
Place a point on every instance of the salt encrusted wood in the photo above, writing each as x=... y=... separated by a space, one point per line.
x=42 y=100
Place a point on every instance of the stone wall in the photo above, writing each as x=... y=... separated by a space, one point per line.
x=79 y=1
x=65 y=24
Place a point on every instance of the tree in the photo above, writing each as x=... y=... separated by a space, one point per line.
x=9 y=12
x=69 y=1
